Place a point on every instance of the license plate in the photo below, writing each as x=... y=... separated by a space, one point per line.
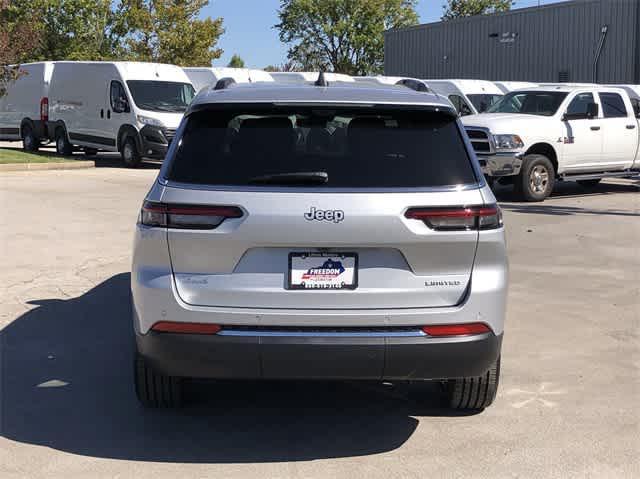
x=323 y=270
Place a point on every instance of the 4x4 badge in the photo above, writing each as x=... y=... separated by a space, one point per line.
x=313 y=214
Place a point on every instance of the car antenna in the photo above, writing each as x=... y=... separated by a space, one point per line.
x=321 y=81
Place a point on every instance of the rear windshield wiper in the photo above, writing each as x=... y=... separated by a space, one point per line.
x=304 y=178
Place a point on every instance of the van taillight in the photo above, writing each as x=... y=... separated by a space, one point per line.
x=458 y=218
x=195 y=217
x=44 y=109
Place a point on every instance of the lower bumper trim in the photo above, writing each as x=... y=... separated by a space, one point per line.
x=295 y=356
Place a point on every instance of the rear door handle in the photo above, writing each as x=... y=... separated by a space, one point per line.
x=630 y=127
x=109 y=114
x=595 y=128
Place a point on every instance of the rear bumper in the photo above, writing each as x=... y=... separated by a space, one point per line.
x=501 y=164
x=273 y=356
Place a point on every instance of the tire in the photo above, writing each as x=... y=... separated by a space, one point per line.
x=474 y=393
x=90 y=151
x=30 y=141
x=589 y=183
x=130 y=154
x=63 y=147
x=536 y=179
x=156 y=390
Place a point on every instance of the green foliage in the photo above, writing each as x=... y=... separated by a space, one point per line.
x=345 y=36
x=70 y=29
x=468 y=8
x=284 y=67
x=18 y=39
x=236 y=61
x=168 y=31
x=164 y=31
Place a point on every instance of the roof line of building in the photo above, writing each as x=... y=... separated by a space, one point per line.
x=515 y=11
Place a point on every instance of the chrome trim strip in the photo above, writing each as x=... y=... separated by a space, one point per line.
x=315 y=190
x=321 y=334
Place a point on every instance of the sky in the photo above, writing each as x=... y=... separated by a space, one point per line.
x=250 y=32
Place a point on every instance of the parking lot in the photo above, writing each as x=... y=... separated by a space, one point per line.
x=567 y=405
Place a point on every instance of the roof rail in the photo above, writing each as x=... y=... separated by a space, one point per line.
x=416 y=85
x=224 y=83
x=321 y=81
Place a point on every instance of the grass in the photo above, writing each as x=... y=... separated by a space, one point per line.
x=13 y=155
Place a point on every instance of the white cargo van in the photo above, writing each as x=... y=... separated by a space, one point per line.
x=203 y=76
x=309 y=77
x=129 y=107
x=507 y=86
x=24 y=108
x=469 y=97
x=417 y=85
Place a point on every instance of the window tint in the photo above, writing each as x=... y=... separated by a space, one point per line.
x=542 y=103
x=460 y=105
x=635 y=103
x=117 y=93
x=579 y=104
x=155 y=95
x=483 y=101
x=613 y=105
x=356 y=148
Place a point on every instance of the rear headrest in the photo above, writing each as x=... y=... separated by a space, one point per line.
x=270 y=122
x=366 y=122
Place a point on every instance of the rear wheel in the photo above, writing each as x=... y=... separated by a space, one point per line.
x=536 y=179
x=474 y=392
x=589 y=183
x=63 y=147
x=130 y=154
x=30 y=141
x=155 y=390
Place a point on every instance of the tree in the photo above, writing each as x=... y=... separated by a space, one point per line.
x=345 y=36
x=236 y=61
x=71 y=29
x=468 y=8
x=18 y=38
x=169 y=31
x=283 y=67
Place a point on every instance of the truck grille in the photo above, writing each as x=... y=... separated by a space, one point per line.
x=481 y=140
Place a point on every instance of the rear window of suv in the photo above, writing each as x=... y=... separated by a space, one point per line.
x=351 y=148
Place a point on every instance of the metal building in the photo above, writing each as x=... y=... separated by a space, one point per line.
x=576 y=41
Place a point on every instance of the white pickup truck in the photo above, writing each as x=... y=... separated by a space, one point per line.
x=537 y=136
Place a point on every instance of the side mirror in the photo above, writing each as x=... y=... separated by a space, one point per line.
x=592 y=110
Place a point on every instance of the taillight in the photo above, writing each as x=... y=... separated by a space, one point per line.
x=458 y=218
x=185 y=328
x=195 y=217
x=441 y=330
x=44 y=109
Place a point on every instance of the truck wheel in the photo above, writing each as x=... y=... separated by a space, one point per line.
x=475 y=392
x=156 y=390
x=589 y=183
x=29 y=140
x=130 y=155
x=536 y=178
x=63 y=147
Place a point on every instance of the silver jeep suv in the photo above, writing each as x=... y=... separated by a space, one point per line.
x=319 y=232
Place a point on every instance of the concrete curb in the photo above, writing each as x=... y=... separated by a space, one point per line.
x=68 y=165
